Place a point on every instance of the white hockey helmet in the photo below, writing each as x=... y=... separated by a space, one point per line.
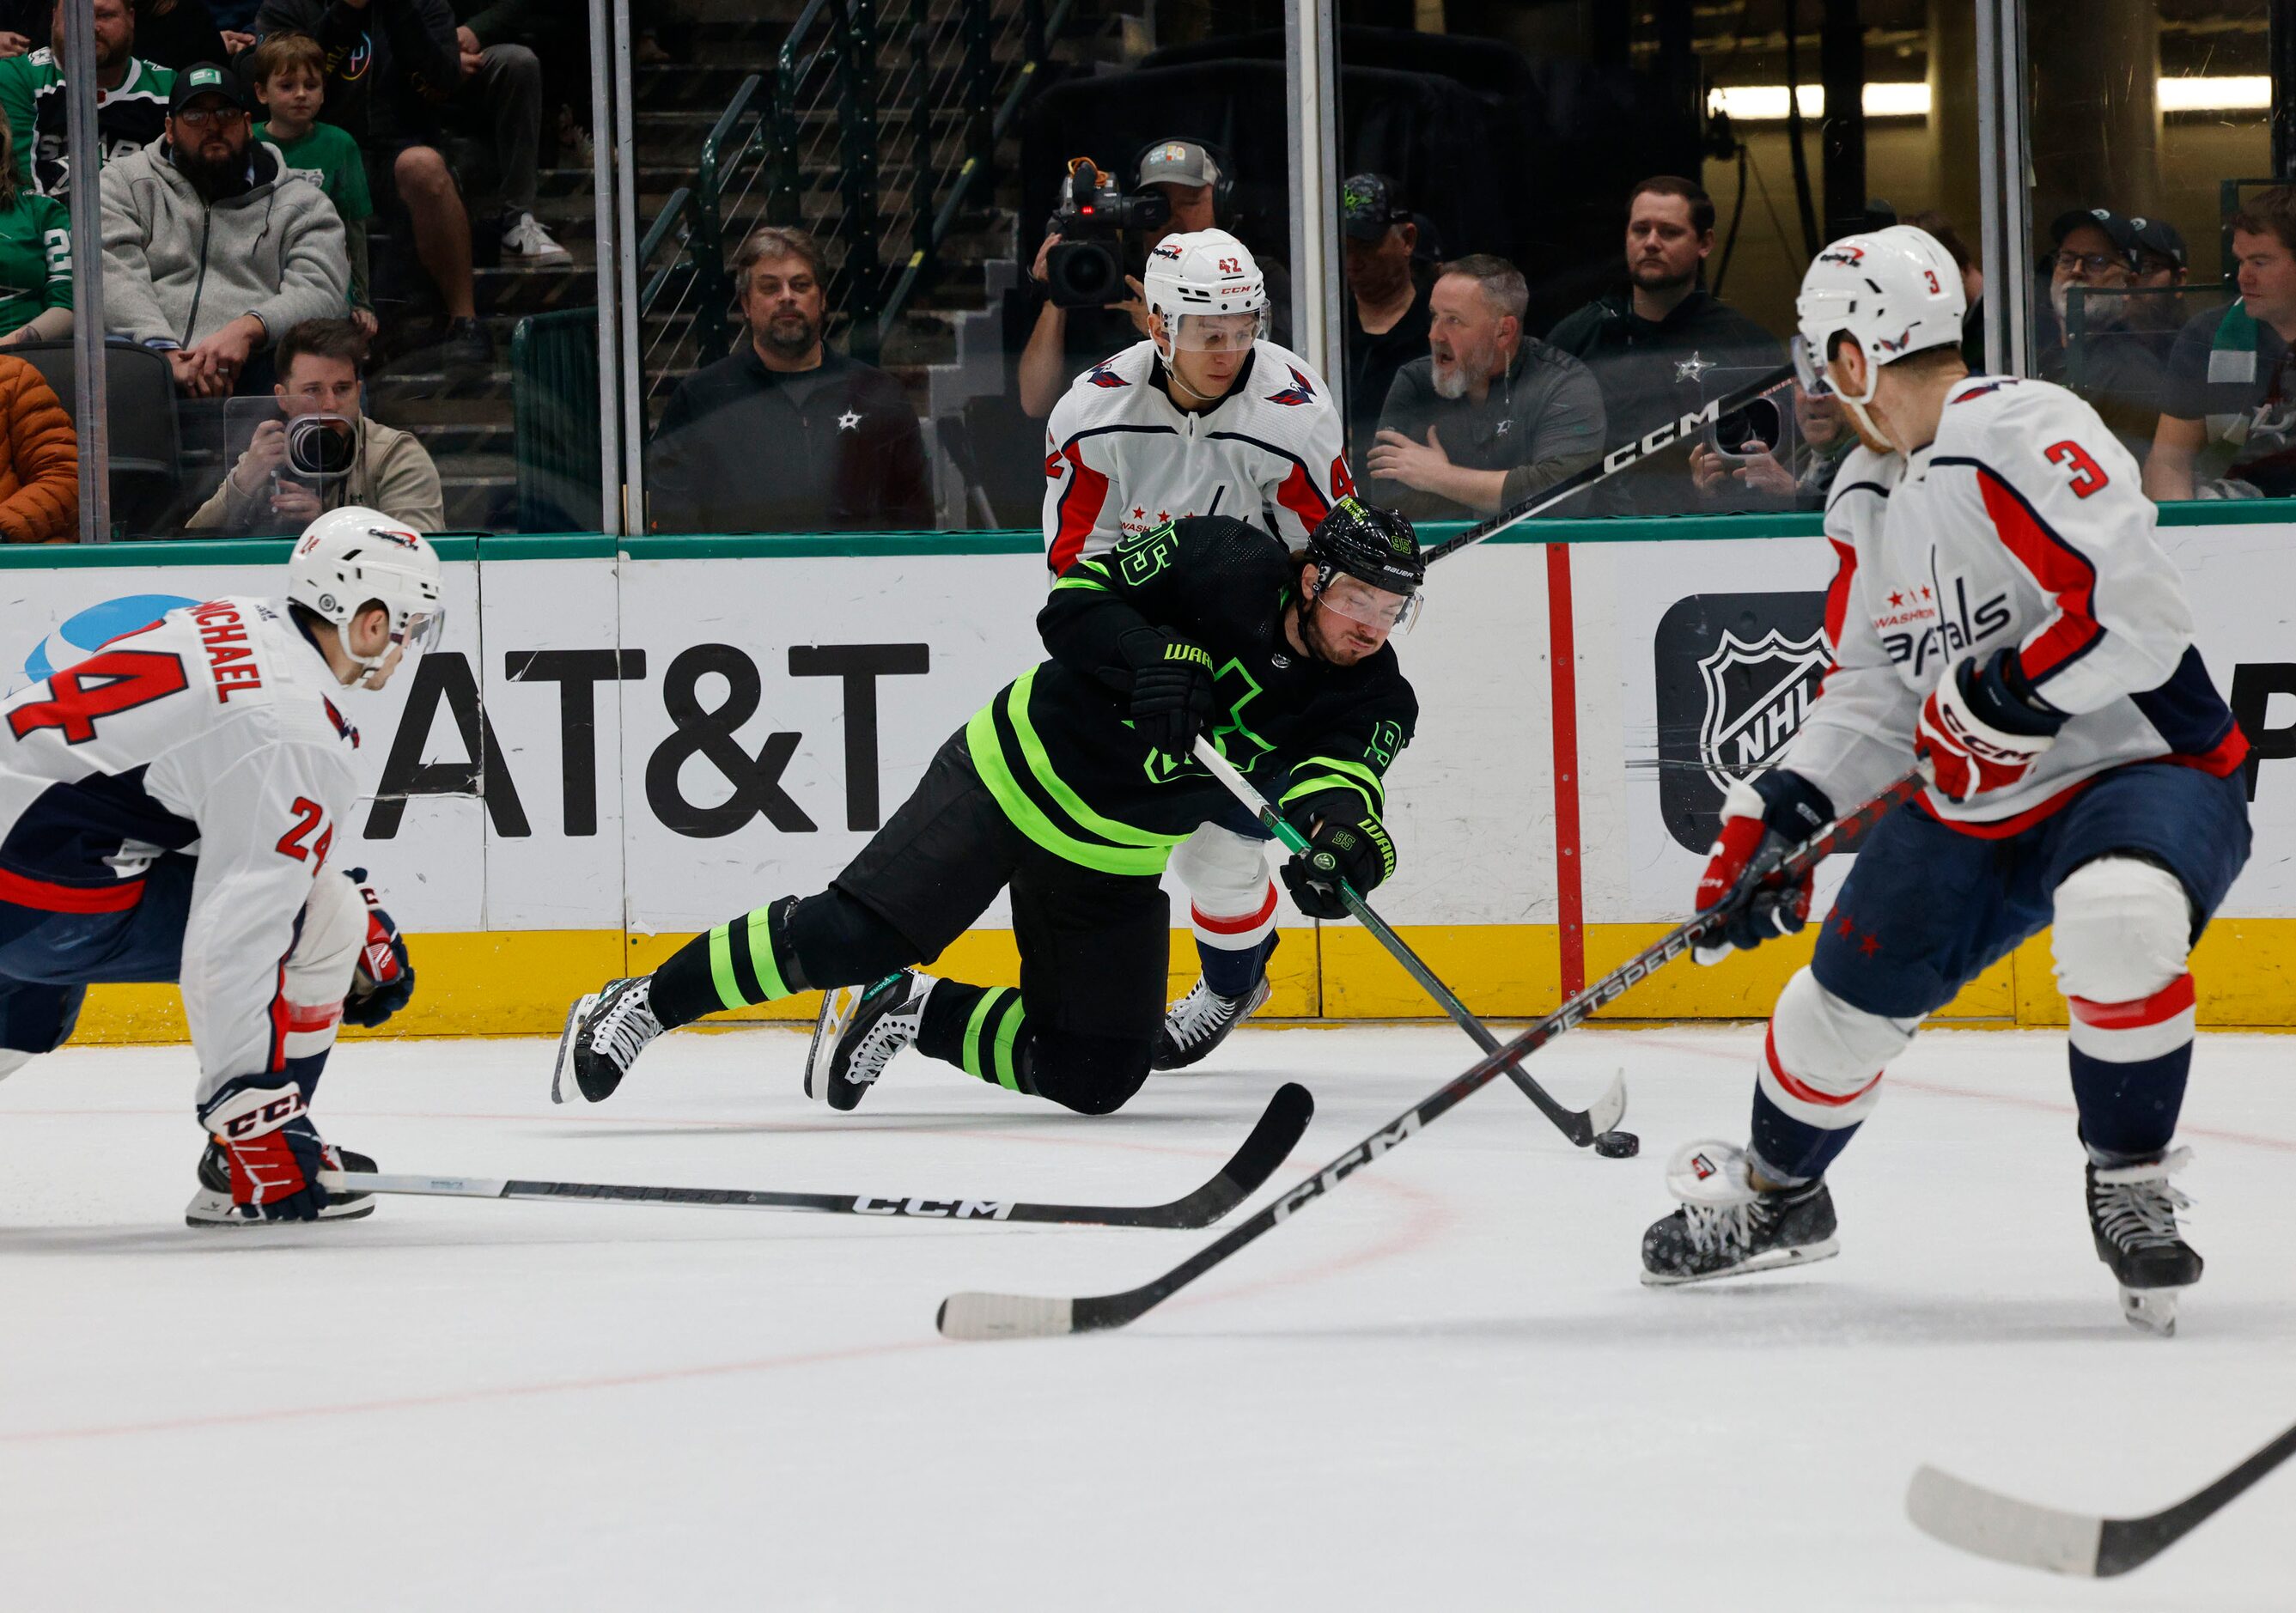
x=350 y=556
x=1197 y=278
x=1895 y=291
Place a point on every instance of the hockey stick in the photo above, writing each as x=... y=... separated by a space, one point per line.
x=1617 y=459
x=1988 y=1524
x=977 y=1316
x=1281 y=1125
x=1582 y=1126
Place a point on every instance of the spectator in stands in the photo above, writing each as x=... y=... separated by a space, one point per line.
x=1065 y=342
x=210 y=251
x=1387 y=300
x=2119 y=369
x=2228 y=421
x=39 y=461
x=782 y=434
x=1489 y=416
x=391 y=65
x=2161 y=261
x=176 y=33
x=502 y=92
x=36 y=258
x=1667 y=346
x=320 y=365
x=291 y=81
x=129 y=113
x=1939 y=229
x=1771 y=480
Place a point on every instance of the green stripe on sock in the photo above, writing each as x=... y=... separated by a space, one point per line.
x=762 y=954
x=721 y=967
x=971 y=1047
x=1009 y=1029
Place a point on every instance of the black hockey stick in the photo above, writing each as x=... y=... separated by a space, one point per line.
x=1988 y=1524
x=977 y=1316
x=1617 y=459
x=1582 y=1126
x=1280 y=1126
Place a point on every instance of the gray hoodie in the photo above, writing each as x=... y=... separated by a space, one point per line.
x=179 y=270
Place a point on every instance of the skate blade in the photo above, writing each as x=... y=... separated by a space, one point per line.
x=1806 y=1254
x=582 y=1005
x=209 y=1209
x=837 y=1005
x=2151 y=1310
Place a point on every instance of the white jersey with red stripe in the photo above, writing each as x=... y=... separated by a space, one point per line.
x=2023 y=524
x=214 y=733
x=1122 y=458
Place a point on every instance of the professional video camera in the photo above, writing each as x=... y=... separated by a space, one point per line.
x=1086 y=269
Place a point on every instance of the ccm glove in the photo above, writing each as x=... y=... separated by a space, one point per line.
x=383 y=980
x=1981 y=727
x=1762 y=820
x=1346 y=841
x=273 y=1152
x=1173 y=689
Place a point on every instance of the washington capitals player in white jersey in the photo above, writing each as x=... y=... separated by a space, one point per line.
x=167 y=809
x=1205 y=417
x=2004 y=610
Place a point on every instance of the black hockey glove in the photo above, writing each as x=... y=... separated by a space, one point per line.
x=1346 y=841
x=383 y=980
x=1173 y=689
x=1762 y=820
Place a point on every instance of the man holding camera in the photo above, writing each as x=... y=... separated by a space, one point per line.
x=1205 y=417
x=321 y=454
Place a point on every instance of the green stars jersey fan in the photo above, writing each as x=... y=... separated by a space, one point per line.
x=1055 y=747
x=32 y=99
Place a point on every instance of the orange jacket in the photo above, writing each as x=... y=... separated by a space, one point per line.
x=39 y=460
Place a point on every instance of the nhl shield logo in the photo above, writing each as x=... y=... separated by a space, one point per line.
x=1735 y=675
x=1757 y=695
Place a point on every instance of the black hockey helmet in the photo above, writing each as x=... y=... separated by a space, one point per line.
x=1372 y=545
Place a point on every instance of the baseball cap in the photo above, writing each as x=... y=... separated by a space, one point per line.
x=1178 y=162
x=206 y=78
x=2117 y=229
x=1369 y=204
x=2161 y=239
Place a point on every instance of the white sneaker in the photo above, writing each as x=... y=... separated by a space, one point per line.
x=523 y=236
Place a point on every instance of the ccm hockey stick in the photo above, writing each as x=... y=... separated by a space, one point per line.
x=1620 y=458
x=1582 y=1126
x=1281 y=1125
x=978 y=1316
x=1988 y=1524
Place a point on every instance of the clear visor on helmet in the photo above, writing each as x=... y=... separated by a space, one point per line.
x=1810 y=369
x=1359 y=601
x=421 y=633
x=1217 y=332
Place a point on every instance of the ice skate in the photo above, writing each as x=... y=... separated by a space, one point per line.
x=605 y=1032
x=211 y=1206
x=858 y=1032
x=1728 y=1228
x=2132 y=1214
x=1199 y=1021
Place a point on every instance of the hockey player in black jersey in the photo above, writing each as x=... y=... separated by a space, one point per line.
x=1070 y=788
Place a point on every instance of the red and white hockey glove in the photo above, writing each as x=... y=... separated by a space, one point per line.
x=1981 y=728
x=273 y=1152
x=383 y=981
x=1762 y=820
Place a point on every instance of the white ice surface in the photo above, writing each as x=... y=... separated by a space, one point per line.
x=1439 y=1388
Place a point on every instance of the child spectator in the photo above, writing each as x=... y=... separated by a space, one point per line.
x=35 y=258
x=291 y=81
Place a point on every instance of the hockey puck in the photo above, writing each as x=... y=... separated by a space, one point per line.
x=1618 y=1145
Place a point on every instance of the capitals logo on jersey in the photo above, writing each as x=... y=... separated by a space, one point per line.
x=1935 y=626
x=1100 y=376
x=1301 y=390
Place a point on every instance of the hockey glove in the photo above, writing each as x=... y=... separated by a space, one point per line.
x=1762 y=820
x=1981 y=727
x=1174 y=688
x=273 y=1152
x=383 y=981
x=1346 y=841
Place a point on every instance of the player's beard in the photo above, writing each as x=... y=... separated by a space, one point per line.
x=1319 y=643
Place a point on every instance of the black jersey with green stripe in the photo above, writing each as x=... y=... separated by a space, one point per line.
x=32 y=100
x=1056 y=750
